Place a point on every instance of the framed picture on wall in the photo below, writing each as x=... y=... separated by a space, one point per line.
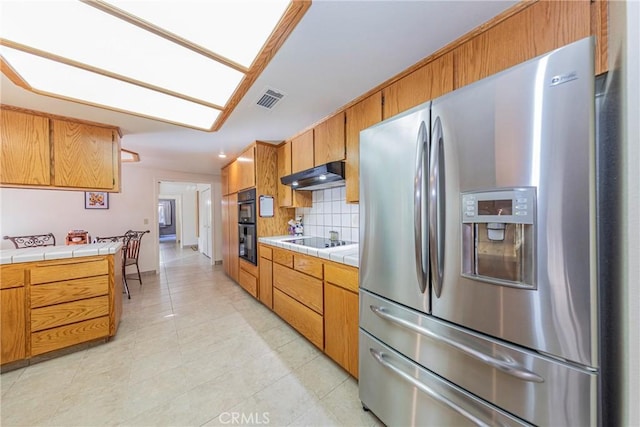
x=96 y=200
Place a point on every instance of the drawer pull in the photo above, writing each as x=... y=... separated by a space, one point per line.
x=508 y=366
x=380 y=357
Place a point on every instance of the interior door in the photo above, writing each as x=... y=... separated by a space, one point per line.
x=205 y=221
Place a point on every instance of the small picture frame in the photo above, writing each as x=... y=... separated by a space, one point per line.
x=96 y=200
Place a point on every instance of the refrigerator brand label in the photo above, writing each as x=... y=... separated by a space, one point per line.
x=563 y=78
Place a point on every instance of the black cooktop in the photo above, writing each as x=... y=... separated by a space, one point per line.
x=318 y=242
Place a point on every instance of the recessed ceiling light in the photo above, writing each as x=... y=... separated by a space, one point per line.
x=222 y=155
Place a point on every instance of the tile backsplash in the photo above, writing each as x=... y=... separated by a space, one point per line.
x=330 y=212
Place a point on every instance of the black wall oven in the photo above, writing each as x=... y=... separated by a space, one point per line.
x=248 y=238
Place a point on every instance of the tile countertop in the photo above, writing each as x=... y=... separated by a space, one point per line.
x=44 y=253
x=347 y=254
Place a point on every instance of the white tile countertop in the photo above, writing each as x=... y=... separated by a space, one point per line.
x=44 y=253
x=347 y=254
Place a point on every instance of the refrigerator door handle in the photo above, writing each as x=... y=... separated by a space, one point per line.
x=381 y=358
x=504 y=363
x=418 y=197
x=436 y=207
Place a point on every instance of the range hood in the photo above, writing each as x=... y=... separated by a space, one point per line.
x=325 y=176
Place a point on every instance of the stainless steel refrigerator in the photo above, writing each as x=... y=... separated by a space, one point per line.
x=478 y=278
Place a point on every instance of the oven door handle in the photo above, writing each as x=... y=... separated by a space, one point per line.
x=504 y=363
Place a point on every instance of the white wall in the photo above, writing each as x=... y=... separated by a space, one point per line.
x=30 y=211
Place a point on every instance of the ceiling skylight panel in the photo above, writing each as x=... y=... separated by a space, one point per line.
x=72 y=83
x=89 y=36
x=234 y=29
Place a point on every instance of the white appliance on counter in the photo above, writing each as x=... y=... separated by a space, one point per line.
x=479 y=287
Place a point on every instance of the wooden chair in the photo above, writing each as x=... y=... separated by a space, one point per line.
x=32 y=241
x=124 y=251
x=132 y=241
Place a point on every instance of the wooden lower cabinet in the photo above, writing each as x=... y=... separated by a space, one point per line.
x=13 y=325
x=68 y=335
x=248 y=282
x=50 y=305
x=303 y=288
x=341 y=327
x=302 y=318
x=341 y=307
x=265 y=285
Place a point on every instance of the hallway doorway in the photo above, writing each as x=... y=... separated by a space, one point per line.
x=184 y=219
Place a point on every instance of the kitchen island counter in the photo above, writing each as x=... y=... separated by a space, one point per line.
x=44 y=253
x=56 y=297
x=347 y=254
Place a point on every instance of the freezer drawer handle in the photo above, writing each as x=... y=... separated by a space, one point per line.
x=509 y=367
x=380 y=358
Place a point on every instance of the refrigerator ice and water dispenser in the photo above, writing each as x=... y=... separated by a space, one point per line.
x=498 y=236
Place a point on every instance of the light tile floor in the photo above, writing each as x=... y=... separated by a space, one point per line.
x=192 y=349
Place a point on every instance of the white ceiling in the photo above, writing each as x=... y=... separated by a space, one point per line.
x=339 y=51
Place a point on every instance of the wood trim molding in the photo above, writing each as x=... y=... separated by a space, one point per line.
x=57 y=117
x=290 y=19
x=13 y=75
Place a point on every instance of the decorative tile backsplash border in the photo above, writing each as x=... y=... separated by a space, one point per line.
x=330 y=212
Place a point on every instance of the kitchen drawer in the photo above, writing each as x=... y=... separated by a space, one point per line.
x=11 y=276
x=70 y=290
x=70 y=312
x=55 y=271
x=536 y=388
x=309 y=265
x=306 y=289
x=68 y=335
x=248 y=282
x=343 y=276
x=283 y=257
x=304 y=320
x=248 y=267
x=265 y=252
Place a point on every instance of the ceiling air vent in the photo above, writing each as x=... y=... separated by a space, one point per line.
x=270 y=98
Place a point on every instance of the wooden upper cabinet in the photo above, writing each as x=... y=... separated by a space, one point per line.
x=234 y=177
x=24 y=141
x=83 y=155
x=538 y=29
x=287 y=198
x=284 y=168
x=302 y=152
x=329 y=142
x=359 y=116
x=600 y=29
x=426 y=83
x=224 y=180
x=247 y=168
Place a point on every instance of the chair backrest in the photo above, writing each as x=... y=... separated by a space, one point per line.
x=32 y=241
x=109 y=239
x=132 y=241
